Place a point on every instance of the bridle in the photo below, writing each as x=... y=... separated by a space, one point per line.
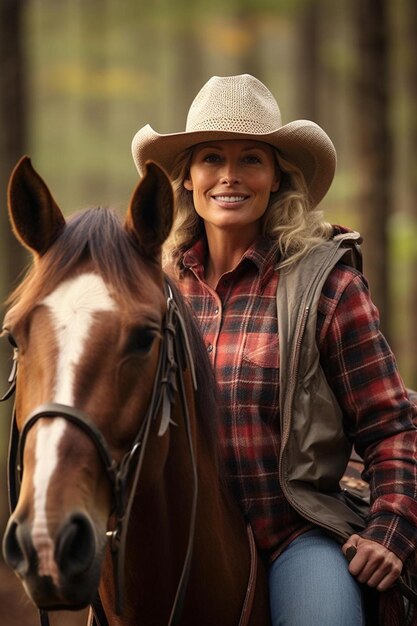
x=174 y=357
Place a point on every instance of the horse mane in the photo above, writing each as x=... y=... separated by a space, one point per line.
x=97 y=235
x=207 y=400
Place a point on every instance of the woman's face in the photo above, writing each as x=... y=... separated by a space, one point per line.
x=231 y=182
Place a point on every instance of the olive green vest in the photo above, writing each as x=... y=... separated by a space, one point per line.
x=315 y=450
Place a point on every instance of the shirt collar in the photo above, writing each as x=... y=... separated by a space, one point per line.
x=262 y=253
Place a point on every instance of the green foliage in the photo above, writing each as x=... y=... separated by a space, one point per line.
x=100 y=69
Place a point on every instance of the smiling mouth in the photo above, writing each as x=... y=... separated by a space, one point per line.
x=231 y=199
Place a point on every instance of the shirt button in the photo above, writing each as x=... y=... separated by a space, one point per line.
x=209 y=348
x=216 y=310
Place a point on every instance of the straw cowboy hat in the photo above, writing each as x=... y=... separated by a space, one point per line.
x=241 y=107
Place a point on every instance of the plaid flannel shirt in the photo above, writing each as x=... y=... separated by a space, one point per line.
x=238 y=321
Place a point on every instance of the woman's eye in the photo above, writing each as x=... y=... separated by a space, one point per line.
x=252 y=158
x=211 y=158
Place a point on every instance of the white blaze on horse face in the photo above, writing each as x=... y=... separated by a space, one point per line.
x=72 y=307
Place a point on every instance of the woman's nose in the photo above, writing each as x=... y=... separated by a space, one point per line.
x=230 y=174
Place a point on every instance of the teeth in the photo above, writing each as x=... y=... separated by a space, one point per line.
x=230 y=198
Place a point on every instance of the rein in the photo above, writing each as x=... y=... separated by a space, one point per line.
x=175 y=356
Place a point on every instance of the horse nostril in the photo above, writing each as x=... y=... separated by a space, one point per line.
x=76 y=545
x=13 y=548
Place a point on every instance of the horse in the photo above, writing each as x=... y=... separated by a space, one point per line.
x=118 y=495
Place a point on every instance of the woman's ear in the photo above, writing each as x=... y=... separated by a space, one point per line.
x=188 y=185
x=275 y=186
x=277 y=181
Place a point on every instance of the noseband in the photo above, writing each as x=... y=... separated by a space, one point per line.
x=174 y=357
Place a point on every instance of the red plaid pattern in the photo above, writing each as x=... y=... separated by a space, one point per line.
x=239 y=326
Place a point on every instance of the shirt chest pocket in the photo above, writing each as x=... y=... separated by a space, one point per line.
x=262 y=350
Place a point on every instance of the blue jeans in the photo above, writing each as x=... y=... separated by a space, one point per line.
x=310 y=585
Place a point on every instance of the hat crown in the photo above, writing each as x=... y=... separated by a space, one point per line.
x=239 y=104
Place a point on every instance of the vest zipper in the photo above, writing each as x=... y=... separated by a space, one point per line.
x=286 y=420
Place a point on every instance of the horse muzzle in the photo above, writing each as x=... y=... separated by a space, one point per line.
x=60 y=571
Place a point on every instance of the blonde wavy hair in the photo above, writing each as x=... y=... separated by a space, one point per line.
x=289 y=222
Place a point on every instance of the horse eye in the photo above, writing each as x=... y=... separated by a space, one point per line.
x=6 y=333
x=141 y=340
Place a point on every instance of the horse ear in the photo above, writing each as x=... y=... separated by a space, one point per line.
x=36 y=218
x=150 y=212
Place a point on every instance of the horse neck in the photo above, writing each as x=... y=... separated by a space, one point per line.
x=221 y=556
x=159 y=526
x=155 y=544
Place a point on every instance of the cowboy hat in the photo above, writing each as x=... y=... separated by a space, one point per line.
x=241 y=107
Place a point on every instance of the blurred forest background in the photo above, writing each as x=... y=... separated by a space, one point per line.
x=79 y=77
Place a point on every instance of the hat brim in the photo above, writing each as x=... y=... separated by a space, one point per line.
x=301 y=142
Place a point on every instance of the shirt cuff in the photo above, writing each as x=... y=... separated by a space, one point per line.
x=393 y=532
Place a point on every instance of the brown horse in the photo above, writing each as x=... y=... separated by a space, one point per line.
x=113 y=434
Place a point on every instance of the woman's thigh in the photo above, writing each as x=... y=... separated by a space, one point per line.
x=310 y=585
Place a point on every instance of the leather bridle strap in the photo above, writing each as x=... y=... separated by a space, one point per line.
x=182 y=585
x=77 y=417
x=12 y=480
x=251 y=588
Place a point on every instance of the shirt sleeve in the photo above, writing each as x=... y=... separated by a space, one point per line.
x=379 y=417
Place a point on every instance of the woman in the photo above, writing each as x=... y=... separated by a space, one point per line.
x=247 y=224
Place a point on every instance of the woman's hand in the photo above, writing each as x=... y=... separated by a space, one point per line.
x=373 y=564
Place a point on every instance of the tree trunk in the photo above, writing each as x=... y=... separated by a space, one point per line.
x=13 y=127
x=410 y=36
x=308 y=64
x=374 y=146
x=12 y=146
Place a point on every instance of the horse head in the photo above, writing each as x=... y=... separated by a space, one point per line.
x=86 y=326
